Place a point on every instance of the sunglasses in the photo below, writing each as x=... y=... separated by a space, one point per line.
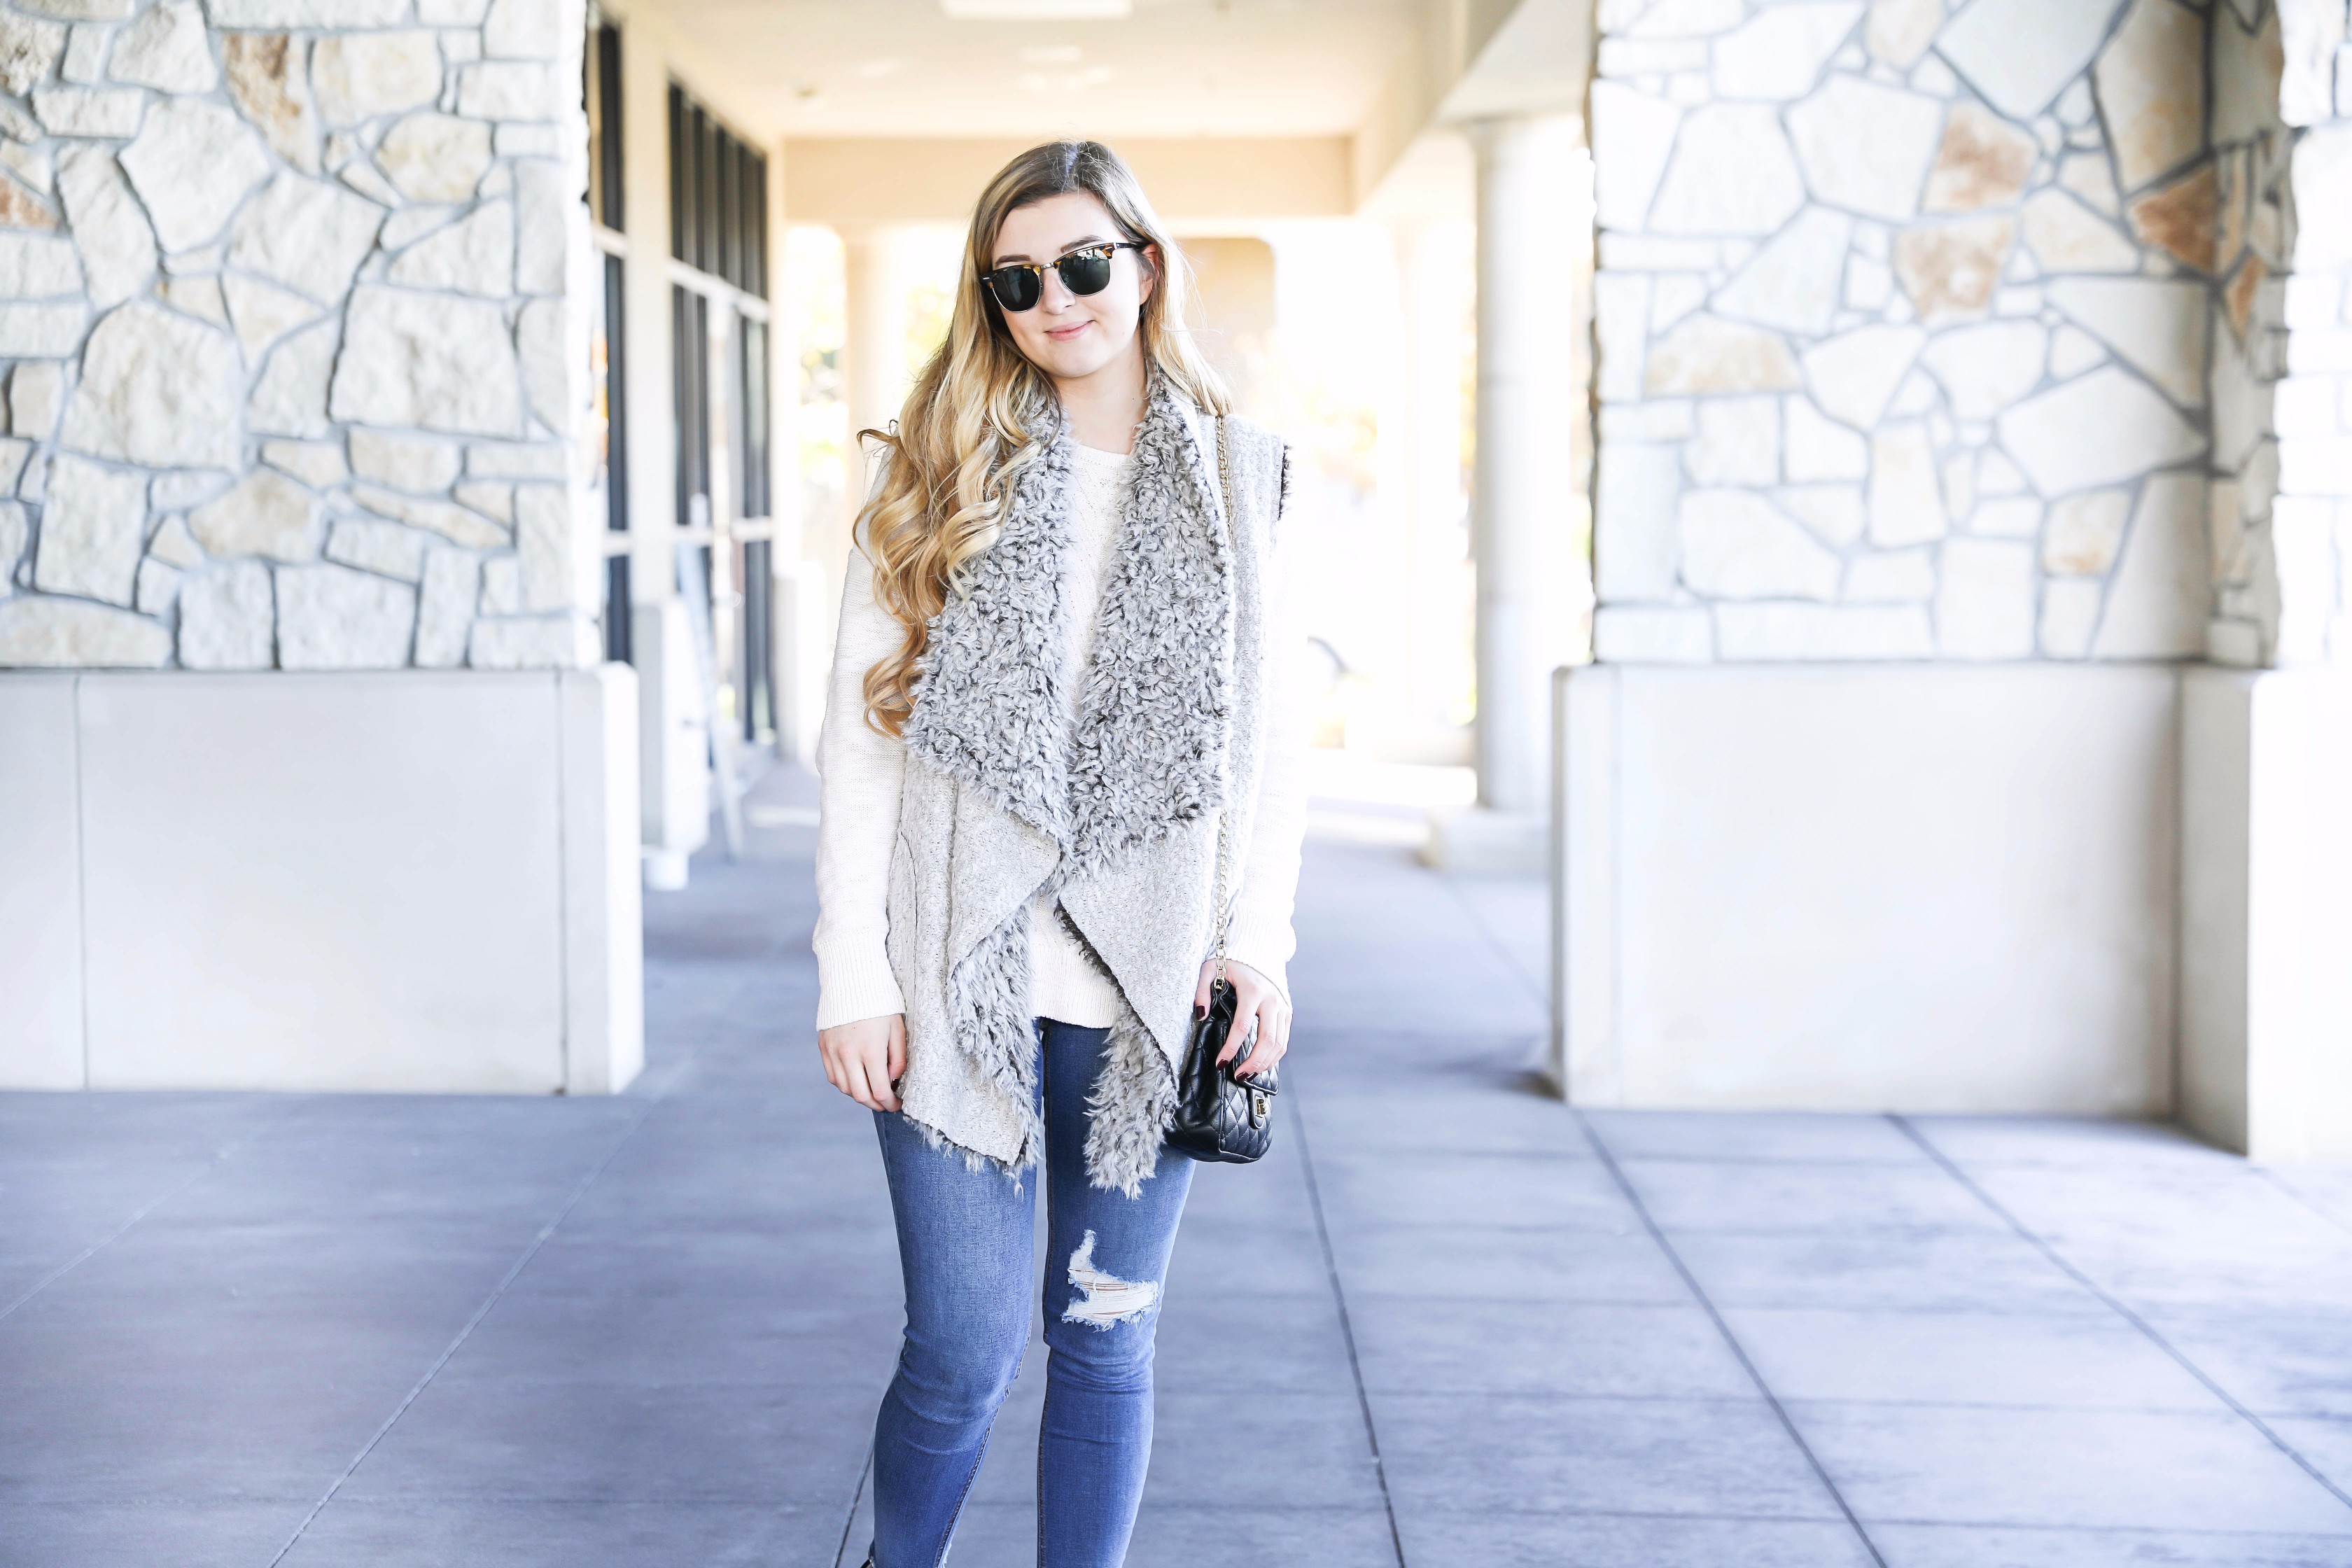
x=1086 y=270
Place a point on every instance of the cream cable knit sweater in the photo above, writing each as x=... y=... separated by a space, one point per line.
x=861 y=772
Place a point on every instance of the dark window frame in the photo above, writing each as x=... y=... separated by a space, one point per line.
x=719 y=197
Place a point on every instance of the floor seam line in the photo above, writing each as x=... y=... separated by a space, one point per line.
x=2323 y=1210
x=2116 y=1305
x=190 y=1180
x=849 y=1514
x=1714 y=1315
x=498 y=1293
x=1540 y=992
x=1346 y=1327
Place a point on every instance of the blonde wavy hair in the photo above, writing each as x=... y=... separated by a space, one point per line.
x=980 y=413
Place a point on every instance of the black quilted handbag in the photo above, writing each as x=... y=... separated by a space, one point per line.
x=1220 y=1118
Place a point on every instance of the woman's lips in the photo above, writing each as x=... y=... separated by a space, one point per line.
x=1064 y=334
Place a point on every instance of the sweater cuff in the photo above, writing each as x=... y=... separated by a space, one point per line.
x=849 y=989
x=1267 y=951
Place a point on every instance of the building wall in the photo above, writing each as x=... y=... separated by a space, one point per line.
x=295 y=296
x=1902 y=318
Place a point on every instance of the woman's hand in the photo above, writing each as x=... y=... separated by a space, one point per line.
x=865 y=1060
x=1257 y=1006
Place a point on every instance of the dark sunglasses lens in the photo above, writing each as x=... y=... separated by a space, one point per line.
x=1086 y=272
x=1015 y=288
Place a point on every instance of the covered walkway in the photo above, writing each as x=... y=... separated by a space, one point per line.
x=1453 y=1322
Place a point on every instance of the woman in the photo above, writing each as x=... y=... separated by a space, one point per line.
x=1054 y=698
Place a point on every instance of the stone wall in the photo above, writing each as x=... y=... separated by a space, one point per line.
x=290 y=302
x=1903 y=320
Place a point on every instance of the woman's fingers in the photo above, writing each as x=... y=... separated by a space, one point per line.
x=1272 y=1011
x=868 y=1086
x=1273 y=1036
x=864 y=1060
x=882 y=1072
x=1244 y=1012
x=853 y=1074
x=1261 y=1021
x=1235 y=976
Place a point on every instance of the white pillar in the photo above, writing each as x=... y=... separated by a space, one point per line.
x=1422 y=461
x=1521 y=491
x=804 y=629
x=876 y=312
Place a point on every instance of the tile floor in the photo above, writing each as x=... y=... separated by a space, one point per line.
x=1449 y=1323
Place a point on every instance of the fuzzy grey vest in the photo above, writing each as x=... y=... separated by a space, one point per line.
x=1116 y=815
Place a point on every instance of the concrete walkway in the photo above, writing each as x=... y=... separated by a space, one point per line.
x=1450 y=1324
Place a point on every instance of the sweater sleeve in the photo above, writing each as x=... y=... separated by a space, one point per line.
x=860 y=773
x=1261 y=934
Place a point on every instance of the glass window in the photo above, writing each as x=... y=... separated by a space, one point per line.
x=603 y=61
x=756 y=679
x=681 y=173
x=753 y=401
x=690 y=384
x=610 y=373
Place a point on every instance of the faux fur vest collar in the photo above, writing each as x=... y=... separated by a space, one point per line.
x=1008 y=798
x=1147 y=750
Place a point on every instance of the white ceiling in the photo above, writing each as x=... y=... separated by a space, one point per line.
x=1173 y=69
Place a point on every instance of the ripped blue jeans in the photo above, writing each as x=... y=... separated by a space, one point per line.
x=964 y=1243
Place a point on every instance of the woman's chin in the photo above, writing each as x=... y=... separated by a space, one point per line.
x=1072 y=362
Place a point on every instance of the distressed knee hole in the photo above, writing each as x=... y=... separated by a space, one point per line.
x=1108 y=1299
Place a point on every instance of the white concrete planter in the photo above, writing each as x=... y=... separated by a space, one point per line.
x=401 y=880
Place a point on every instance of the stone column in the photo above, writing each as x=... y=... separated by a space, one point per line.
x=287 y=396
x=1903 y=336
x=2266 y=749
x=2310 y=315
x=1520 y=489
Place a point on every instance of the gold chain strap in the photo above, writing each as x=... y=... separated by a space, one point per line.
x=1225 y=813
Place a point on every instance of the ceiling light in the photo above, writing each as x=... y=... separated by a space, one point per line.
x=1037 y=10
